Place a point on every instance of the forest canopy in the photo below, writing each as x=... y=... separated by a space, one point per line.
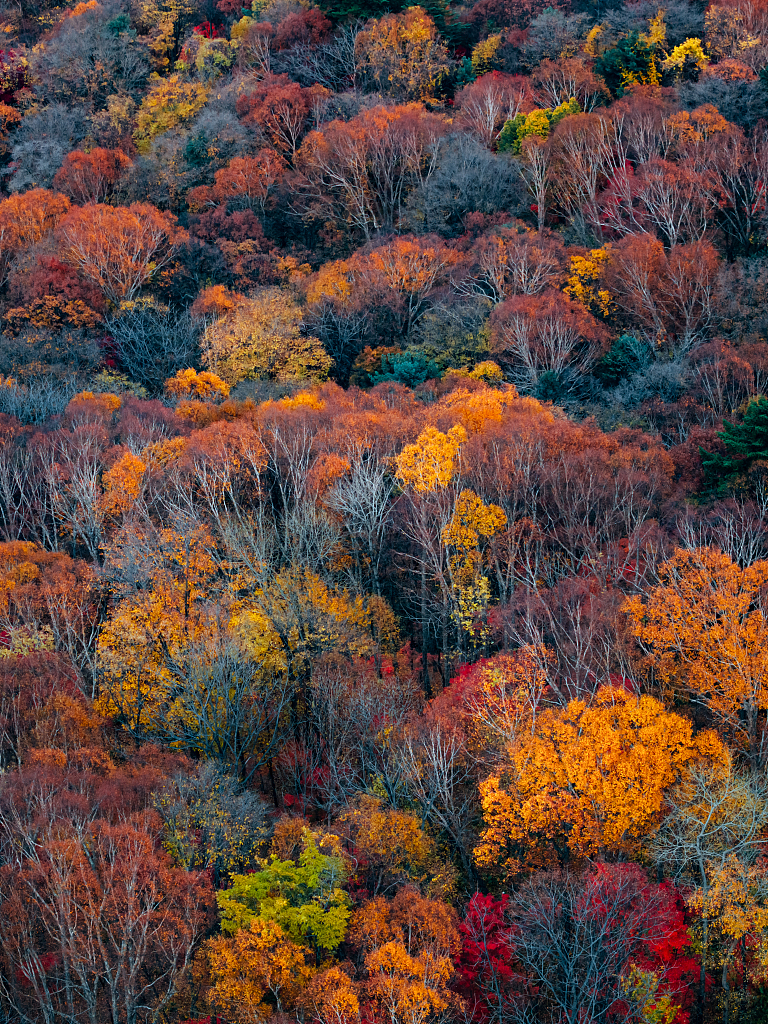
x=383 y=544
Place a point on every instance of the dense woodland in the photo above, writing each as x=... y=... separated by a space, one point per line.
x=384 y=512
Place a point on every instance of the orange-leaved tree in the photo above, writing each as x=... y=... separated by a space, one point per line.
x=704 y=629
x=118 y=248
x=408 y=944
x=589 y=781
x=191 y=384
x=282 y=110
x=409 y=271
x=360 y=171
x=90 y=177
x=25 y=220
x=244 y=183
x=257 y=966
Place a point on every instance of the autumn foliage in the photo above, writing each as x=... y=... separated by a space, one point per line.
x=383 y=560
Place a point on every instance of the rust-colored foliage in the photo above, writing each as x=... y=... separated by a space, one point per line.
x=120 y=248
x=91 y=177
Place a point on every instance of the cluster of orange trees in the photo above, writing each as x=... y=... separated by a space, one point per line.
x=383 y=560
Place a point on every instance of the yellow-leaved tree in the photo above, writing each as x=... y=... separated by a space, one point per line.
x=151 y=630
x=293 y=617
x=472 y=521
x=431 y=461
x=169 y=103
x=402 y=55
x=261 y=338
x=733 y=924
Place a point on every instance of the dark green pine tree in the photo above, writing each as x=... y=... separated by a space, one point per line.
x=745 y=444
x=629 y=61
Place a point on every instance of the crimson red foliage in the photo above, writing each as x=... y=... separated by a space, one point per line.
x=49 y=276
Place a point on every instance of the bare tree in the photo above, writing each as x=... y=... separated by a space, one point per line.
x=153 y=342
x=212 y=822
x=331 y=64
x=714 y=815
x=364 y=500
x=230 y=710
x=575 y=940
x=72 y=468
x=440 y=779
x=735 y=526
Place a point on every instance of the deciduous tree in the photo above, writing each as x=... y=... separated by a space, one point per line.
x=703 y=629
x=243 y=184
x=26 y=219
x=283 y=110
x=120 y=248
x=91 y=177
x=262 y=338
x=401 y=54
x=363 y=169
x=589 y=780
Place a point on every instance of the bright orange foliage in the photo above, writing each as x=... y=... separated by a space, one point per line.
x=189 y=383
x=244 y=183
x=589 y=781
x=90 y=177
x=26 y=219
x=123 y=484
x=705 y=630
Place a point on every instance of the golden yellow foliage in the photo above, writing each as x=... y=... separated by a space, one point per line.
x=583 y=282
x=656 y=35
x=333 y=998
x=304 y=400
x=408 y=989
x=86 y=404
x=23 y=640
x=170 y=102
x=261 y=338
x=333 y=280
x=295 y=617
x=689 y=49
x=488 y=372
x=189 y=383
x=392 y=842
x=735 y=909
x=154 y=627
x=471 y=520
x=430 y=462
x=401 y=54
x=485 y=54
